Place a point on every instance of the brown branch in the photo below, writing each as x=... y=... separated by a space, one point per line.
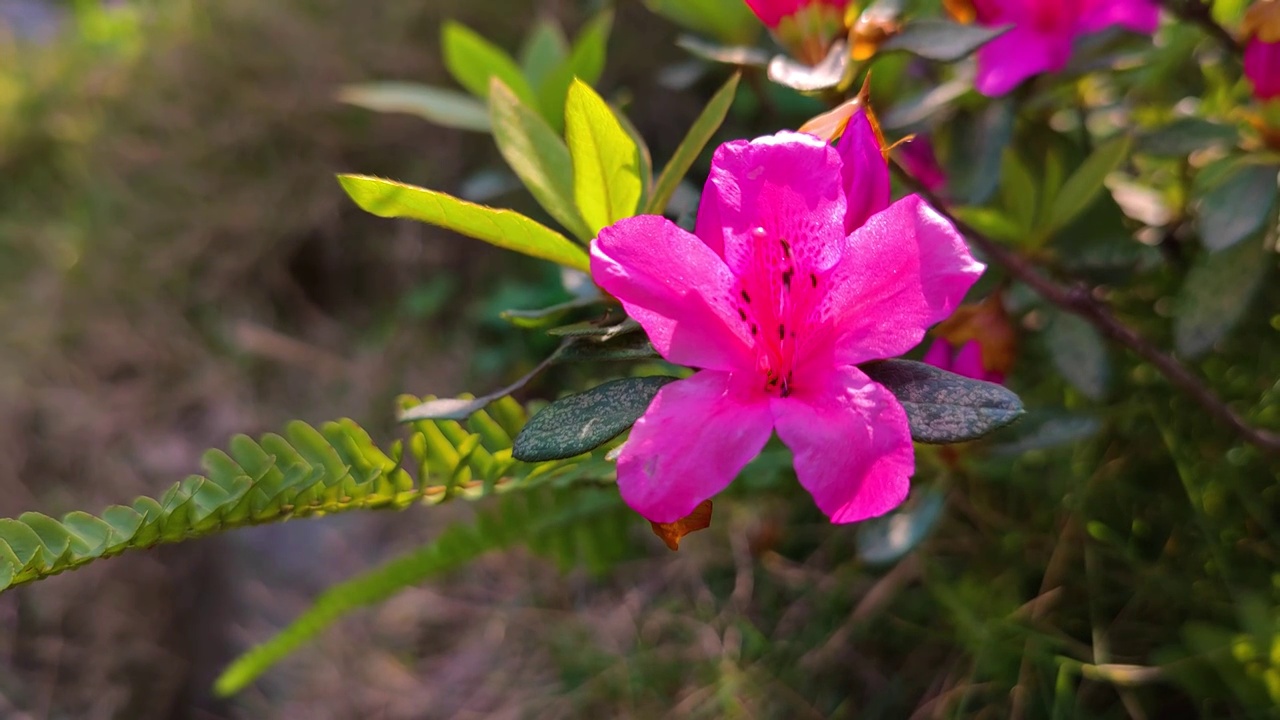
x=1200 y=13
x=1078 y=300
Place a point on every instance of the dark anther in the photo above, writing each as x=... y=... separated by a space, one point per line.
x=813 y=279
x=786 y=277
x=782 y=331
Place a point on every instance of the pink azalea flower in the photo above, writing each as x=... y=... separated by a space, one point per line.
x=1043 y=33
x=965 y=360
x=1262 y=48
x=772 y=12
x=919 y=160
x=799 y=270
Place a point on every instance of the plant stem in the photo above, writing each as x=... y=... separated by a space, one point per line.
x=1201 y=14
x=1078 y=300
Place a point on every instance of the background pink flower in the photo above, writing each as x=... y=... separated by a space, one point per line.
x=771 y=12
x=1261 y=31
x=1043 y=33
x=799 y=270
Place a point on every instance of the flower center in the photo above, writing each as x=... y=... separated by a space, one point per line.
x=775 y=294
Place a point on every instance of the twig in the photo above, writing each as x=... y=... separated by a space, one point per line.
x=1201 y=14
x=1078 y=300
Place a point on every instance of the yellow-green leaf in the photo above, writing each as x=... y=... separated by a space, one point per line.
x=1086 y=182
x=504 y=228
x=606 y=161
x=537 y=156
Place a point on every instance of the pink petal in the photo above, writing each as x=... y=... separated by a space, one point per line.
x=1137 y=15
x=695 y=438
x=852 y=444
x=906 y=269
x=865 y=172
x=779 y=186
x=1262 y=67
x=771 y=12
x=1017 y=55
x=968 y=361
x=676 y=288
x=938 y=354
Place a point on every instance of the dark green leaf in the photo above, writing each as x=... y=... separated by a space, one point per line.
x=1086 y=183
x=1079 y=353
x=597 y=329
x=1047 y=430
x=692 y=145
x=583 y=422
x=942 y=40
x=504 y=228
x=825 y=75
x=1185 y=136
x=585 y=61
x=460 y=408
x=884 y=540
x=542 y=317
x=441 y=106
x=474 y=61
x=537 y=156
x=977 y=149
x=633 y=346
x=1239 y=206
x=1216 y=293
x=944 y=407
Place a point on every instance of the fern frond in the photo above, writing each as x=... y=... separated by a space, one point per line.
x=305 y=472
x=579 y=525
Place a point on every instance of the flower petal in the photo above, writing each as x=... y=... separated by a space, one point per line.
x=1262 y=67
x=676 y=288
x=865 y=171
x=1017 y=55
x=695 y=438
x=771 y=12
x=789 y=184
x=1137 y=15
x=968 y=361
x=852 y=444
x=906 y=269
x=938 y=354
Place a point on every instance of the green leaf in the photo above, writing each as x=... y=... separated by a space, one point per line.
x=473 y=61
x=728 y=21
x=1216 y=293
x=504 y=228
x=1079 y=353
x=1184 y=136
x=942 y=40
x=1238 y=206
x=885 y=540
x=585 y=61
x=977 y=150
x=694 y=142
x=544 y=50
x=598 y=329
x=606 y=161
x=943 y=407
x=741 y=55
x=542 y=317
x=537 y=156
x=441 y=106
x=579 y=423
x=633 y=346
x=462 y=407
x=1086 y=183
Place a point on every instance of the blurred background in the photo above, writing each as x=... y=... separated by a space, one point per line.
x=177 y=265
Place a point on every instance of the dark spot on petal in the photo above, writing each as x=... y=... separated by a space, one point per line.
x=813 y=279
x=786 y=277
x=782 y=331
x=786 y=248
x=742 y=314
x=746 y=298
x=754 y=329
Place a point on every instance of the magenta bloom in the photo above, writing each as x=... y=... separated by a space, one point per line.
x=965 y=360
x=918 y=158
x=1262 y=67
x=799 y=270
x=1043 y=33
